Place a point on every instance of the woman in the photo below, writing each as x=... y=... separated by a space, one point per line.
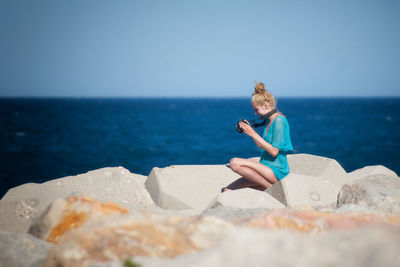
x=274 y=144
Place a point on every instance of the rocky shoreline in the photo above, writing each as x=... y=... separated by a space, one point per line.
x=319 y=215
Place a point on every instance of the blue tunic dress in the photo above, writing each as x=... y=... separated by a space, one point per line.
x=278 y=136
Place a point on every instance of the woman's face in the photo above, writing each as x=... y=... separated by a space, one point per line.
x=260 y=110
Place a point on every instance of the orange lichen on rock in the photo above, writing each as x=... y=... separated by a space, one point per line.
x=103 y=207
x=140 y=234
x=312 y=221
x=139 y=239
x=278 y=220
x=293 y=224
x=78 y=210
x=69 y=221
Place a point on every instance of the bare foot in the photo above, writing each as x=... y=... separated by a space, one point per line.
x=225 y=189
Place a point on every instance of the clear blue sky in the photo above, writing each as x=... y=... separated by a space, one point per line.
x=199 y=48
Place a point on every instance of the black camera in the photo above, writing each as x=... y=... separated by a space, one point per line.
x=238 y=129
x=253 y=124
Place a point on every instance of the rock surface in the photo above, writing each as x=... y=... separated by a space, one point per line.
x=370 y=170
x=188 y=186
x=16 y=216
x=317 y=166
x=246 y=198
x=358 y=227
x=310 y=221
x=120 y=237
x=21 y=204
x=313 y=181
x=378 y=192
x=22 y=250
x=249 y=247
x=64 y=215
x=302 y=190
x=231 y=213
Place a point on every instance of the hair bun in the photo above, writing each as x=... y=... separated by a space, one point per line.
x=259 y=88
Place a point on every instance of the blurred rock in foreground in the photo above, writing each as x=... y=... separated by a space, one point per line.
x=249 y=247
x=22 y=250
x=63 y=215
x=140 y=234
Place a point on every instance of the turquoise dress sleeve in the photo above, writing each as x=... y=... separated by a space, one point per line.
x=278 y=136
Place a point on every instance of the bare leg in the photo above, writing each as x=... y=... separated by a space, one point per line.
x=254 y=174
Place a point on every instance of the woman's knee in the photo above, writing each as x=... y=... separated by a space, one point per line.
x=234 y=163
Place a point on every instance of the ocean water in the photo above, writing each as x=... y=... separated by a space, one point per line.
x=47 y=138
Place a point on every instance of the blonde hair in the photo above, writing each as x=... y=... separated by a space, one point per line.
x=260 y=96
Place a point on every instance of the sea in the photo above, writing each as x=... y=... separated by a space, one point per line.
x=47 y=138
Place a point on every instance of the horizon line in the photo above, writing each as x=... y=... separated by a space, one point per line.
x=199 y=97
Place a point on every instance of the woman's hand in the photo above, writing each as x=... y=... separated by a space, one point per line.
x=247 y=129
x=260 y=142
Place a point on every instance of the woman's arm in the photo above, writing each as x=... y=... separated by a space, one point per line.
x=273 y=151
x=260 y=142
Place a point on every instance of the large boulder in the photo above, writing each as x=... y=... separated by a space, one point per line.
x=246 y=198
x=22 y=204
x=307 y=220
x=113 y=239
x=317 y=166
x=66 y=214
x=231 y=213
x=313 y=181
x=23 y=250
x=248 y=247
x=188 y=186
x=141 y=234
x=368 y=171
x=378 y=192
x=302 y=190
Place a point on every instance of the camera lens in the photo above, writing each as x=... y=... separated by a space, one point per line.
x=238 y=129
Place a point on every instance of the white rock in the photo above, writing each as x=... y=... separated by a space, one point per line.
x=313 y=181
x=370 y=170
x=246 y=198
x=302 y=190
x=21 y=204
x=21 y=249
x=188 y=186
x=317 y=166
x=247 y=247
x=378 y=192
